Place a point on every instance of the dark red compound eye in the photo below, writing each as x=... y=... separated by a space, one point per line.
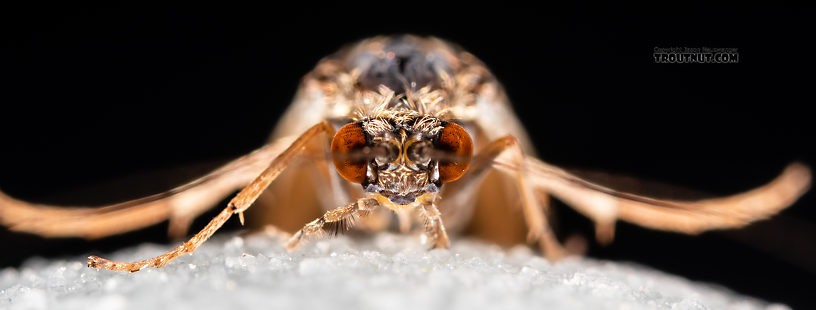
x=347 y=152
x=456 y=143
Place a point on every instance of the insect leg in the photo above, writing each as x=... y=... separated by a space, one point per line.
x=434 y=228
x=508 y=149
x=405 y=218
x=310 y=182
x=238 y=205
x=334 y=221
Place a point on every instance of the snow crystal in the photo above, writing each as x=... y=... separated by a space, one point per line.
x=383 y=271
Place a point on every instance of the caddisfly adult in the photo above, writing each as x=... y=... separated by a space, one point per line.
x=412 y=125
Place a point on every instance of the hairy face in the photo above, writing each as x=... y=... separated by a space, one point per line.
x=400 y=161
x=402 y=169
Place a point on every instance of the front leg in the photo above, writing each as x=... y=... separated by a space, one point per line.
x=434 y=228
x=334 y=221
x=495 y=155
x=238 y=205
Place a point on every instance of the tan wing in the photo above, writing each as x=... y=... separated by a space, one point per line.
x=605 y=206
x=491 y=210
x=181 y=205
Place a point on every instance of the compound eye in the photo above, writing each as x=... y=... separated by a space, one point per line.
x=348 y=152
x=457 y=147
x=385 y=153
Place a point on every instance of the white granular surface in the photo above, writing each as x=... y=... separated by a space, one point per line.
x=383 y=271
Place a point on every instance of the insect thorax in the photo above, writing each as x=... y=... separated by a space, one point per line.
x=400 y=76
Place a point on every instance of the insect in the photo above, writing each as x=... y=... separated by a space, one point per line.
x=402 y=125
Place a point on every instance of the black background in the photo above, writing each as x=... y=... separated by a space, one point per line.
x=96 y=96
